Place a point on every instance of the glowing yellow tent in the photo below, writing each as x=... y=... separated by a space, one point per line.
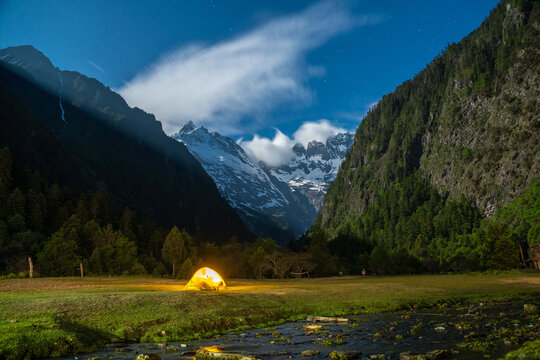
x=206 y=279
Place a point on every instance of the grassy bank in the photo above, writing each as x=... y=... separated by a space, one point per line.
x=53 y=317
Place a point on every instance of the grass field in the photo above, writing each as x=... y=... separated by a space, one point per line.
x=53 y=317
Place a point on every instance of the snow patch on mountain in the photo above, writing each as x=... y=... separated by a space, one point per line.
x=288 y=195
x=240 y=180
x=313 y=169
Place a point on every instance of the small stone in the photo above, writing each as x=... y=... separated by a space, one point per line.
x=440 y=328
x=312 y=327
x=407 y=356
x=344 y=355
x=327 y=319
x=148 y=357
x=309 y=353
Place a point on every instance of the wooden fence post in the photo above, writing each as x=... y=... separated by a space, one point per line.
x=82 y=270
x=31 y=267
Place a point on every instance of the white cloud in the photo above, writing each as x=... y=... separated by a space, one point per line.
x=278 y=150
x=219 y=85
x=272 y=152
x=316 y=130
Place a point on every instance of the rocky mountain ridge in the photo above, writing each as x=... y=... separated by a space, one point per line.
x=313 y=169
x=279 y=201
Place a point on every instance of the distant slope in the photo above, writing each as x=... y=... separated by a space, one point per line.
x=240 y=180
x=280 y=202
x=78 y=132
x=465 y=128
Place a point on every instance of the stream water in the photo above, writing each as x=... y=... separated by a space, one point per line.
x=490 y=330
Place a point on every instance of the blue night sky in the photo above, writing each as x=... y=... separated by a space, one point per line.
x=244 y=67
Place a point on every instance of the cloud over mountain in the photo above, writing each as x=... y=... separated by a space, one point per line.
x=218 y=85
x=276 y=151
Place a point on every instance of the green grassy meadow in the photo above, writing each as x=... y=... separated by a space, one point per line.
x=59 y=316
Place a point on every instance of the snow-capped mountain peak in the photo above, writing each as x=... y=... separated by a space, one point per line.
x=287 y=196
x=312 y=169
x=240 y=180
x=188 y=127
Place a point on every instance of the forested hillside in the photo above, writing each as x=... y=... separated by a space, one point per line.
x=61 y=228
x=444 y=150
x=80 y=134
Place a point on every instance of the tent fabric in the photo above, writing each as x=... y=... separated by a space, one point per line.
x=205 y=279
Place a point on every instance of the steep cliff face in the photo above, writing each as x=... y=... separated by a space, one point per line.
x=468 y=125
x=486 y=146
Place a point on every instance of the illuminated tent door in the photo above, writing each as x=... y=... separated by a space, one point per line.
x=206 y=279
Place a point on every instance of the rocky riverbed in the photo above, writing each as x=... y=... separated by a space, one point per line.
x=466 y=331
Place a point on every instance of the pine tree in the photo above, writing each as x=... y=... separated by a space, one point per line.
x=59 y=256
x=114 y=253
x=15 y=203
x=186 y=270
x=156 y=244
x=126 y=224
x=174 y=249
x=256 y=262
x=503 y=252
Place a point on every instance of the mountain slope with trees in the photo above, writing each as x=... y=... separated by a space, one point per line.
x=61 y=228
x=80 y=134
x=445 y=149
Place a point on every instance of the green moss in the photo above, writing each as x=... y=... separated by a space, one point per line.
x=529 y=351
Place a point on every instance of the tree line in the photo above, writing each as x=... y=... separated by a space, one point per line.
x=60 y=229
x=411 y=228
